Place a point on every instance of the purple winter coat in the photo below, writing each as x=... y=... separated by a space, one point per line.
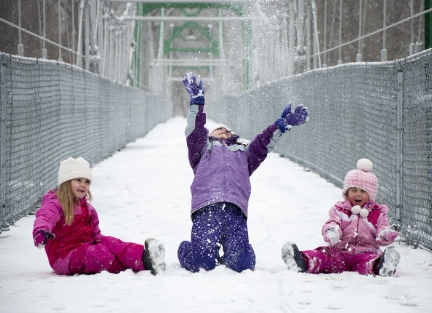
x=358 y=234
x=222 y=167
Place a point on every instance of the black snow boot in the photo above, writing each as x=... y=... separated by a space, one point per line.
x=154 y=256
x=388 y=262
x=293 y=258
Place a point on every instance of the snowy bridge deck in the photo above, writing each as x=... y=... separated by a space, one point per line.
x=143 y=191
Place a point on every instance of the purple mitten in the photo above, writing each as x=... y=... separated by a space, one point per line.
x=331 y=235
x=41 y=237
x=298 y=117
x=289 y=119
x=196 y=91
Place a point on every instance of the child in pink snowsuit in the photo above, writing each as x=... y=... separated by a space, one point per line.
x=355 y=231
x=67 y=225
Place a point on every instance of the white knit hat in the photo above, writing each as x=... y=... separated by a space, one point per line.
x=73 y=168
x=362 y=178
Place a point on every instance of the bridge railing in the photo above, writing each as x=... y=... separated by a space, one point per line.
x=50 y=111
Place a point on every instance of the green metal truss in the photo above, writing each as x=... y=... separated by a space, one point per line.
x=239 y=8
x=204 y=35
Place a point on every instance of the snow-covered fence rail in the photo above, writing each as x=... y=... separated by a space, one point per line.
x=50 y=111
x=382 y=111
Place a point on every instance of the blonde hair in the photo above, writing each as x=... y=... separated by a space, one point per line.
x=68 y=201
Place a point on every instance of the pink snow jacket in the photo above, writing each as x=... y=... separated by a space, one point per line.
x=359 y=234
x=83 y=230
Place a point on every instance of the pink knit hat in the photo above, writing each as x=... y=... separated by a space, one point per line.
x=362 y=178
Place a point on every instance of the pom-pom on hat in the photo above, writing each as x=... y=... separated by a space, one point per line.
x=362 y=178
x=73 y=168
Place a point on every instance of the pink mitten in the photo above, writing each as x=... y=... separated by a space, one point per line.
x=41 y=237
x=387 y=236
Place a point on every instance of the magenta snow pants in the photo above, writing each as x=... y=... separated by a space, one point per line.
x=111 y=254
x=332 y=260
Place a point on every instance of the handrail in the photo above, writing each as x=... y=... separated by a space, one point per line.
x=373 y=33
x=40 y=37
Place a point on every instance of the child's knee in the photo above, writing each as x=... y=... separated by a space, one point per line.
x=98 y=258
x=240 y=260
x=185 y=256
x=195 y=259
x=184 y=249
x=209 y=261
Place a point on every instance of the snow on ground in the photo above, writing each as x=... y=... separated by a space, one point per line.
x=143 y=191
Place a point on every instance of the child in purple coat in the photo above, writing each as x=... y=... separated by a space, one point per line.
x=221 y=186
x=356 y=230
x=67 y=226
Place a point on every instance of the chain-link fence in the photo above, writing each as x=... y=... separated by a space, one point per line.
x=381 y=111
x=51 y=111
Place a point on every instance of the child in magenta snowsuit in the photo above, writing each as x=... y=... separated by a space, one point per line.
x=356 y=230
x=221 y=186
x=67 y=225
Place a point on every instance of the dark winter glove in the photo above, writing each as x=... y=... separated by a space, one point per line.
x=289 y=119
x=41 y=237
x=196 y=91
x=386 y=236
x=332 y=236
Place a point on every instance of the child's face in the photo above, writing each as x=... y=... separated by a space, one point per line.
x=221 y=133
x=358 y=196
x=80 y=187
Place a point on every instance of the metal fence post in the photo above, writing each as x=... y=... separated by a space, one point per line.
x=2 y=140
x=384 y=50
x=399 y=133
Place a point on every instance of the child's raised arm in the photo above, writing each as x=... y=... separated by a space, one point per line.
x=196 y=133
x=265 y=142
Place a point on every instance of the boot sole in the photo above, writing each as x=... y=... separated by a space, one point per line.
x=391 y=260
x=154 y=256
x=293 y=257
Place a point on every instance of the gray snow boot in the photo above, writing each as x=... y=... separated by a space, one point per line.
x=293 y=258
x=388 y=262
x=154 y=256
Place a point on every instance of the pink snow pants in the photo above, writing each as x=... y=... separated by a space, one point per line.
x=111 y=254
x=331 y=260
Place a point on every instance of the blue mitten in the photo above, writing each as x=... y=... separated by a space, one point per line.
x=195 y=90
x=289 y=119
